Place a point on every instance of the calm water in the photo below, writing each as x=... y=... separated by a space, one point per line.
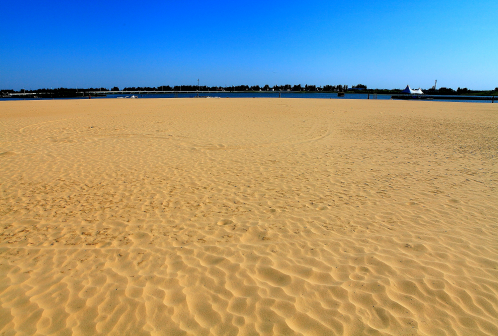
x=315 y=95
x=224 y=94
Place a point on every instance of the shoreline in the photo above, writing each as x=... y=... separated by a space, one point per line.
x=267 y=94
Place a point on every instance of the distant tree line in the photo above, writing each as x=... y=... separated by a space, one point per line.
x=286 y=87
x=74 y=92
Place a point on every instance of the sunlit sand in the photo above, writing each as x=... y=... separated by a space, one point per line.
x=249 y=217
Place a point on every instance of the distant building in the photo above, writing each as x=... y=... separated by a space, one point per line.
x=412 y=91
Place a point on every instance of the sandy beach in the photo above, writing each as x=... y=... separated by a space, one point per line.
x=248 y=217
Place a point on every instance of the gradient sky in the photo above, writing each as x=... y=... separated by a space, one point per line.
x=382 y=44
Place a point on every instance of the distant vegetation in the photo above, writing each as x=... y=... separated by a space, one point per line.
x=359 y=88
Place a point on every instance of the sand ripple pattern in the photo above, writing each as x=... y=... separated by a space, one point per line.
x=248 y=217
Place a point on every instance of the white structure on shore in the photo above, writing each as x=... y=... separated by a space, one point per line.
x=412 y=91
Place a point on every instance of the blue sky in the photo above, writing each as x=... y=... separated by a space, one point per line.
x=385 y=44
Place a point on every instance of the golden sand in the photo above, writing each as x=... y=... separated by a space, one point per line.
x=249 y=217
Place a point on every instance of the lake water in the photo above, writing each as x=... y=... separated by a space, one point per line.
x=287 y=94
x=269 y=94
x=262 y=94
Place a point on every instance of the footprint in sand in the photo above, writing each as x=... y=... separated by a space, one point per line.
x=225 y=222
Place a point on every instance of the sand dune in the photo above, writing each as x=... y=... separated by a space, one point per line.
x=248 y=217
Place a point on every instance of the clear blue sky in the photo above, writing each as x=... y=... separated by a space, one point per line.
x=382 y=44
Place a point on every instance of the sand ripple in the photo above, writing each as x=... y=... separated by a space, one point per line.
x=250 y=217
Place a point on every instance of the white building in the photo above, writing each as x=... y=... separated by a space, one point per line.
x=412 y=91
